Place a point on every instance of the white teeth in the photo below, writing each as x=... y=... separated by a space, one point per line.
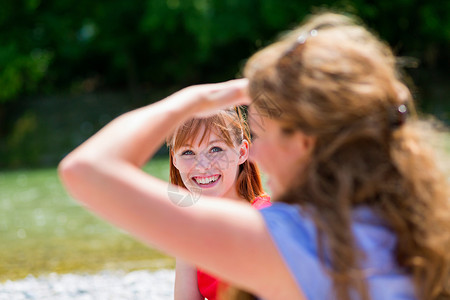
x=206 y=180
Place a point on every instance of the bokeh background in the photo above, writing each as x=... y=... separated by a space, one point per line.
x=67 y=67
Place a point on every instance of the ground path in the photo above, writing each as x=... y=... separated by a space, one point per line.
x=137 y=285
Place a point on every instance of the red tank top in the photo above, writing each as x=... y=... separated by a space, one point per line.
x=209 y=285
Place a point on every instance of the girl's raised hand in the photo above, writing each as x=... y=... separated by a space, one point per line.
x=208 y=98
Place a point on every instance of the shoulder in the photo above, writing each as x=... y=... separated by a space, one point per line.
x=262 y=201
x=207 y=284
x=289 y=225
x=294 y=233
x=287 y=215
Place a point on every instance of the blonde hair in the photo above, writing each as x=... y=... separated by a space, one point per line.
x=334 y=80
x=231 y=126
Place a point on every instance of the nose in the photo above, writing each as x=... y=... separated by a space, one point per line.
x=202 y=162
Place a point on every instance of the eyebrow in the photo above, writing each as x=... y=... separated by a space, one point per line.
x=210 y=143
x=217 y=141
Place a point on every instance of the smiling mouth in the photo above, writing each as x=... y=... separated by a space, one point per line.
x=206 y=180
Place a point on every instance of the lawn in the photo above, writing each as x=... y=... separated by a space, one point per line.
x=43 y=230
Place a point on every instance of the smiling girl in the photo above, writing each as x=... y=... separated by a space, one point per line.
x=209 y=157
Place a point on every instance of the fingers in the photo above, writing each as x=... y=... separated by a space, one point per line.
x=242 y=97
x=206 y=99
x=229 y=93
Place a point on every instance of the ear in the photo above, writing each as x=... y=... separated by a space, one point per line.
x=174 y=159
x=243 y=151
x=302 y=146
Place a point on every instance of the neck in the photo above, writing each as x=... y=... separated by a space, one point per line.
x=233 y=194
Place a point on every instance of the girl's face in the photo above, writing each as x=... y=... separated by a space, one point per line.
x=211 y=165
x=281 y=156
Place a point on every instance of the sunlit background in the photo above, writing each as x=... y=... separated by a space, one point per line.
x=68 y=67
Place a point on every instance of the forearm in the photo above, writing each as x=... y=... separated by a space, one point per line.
x=186 y=284
x=134 y=136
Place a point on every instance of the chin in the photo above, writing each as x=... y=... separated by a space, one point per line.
x=210 y=193
x=276 y=191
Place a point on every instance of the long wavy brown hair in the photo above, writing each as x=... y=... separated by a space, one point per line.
x=334 y=80
x=231 y=126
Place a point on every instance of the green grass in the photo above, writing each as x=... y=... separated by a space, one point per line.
x=43 y=230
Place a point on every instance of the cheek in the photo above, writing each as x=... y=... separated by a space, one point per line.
x=255 y=150
x=229 y=165
x=259 y=151
x=229 y=176
x=258 y=155
x=184 y=165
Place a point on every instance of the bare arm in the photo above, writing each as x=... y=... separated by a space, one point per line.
x=104 y=173
x=186 y=284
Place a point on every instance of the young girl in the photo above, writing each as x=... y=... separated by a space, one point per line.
x=361 y=206
x=209 y=156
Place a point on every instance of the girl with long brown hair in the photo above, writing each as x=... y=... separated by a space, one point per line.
x=361 y=204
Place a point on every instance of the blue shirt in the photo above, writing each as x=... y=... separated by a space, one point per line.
x=294 y=234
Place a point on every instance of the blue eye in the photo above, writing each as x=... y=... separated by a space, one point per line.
x=216 y=149
x=187 y=152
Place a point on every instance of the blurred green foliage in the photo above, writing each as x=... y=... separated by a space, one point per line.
x=46 y=46
x=62 y=48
